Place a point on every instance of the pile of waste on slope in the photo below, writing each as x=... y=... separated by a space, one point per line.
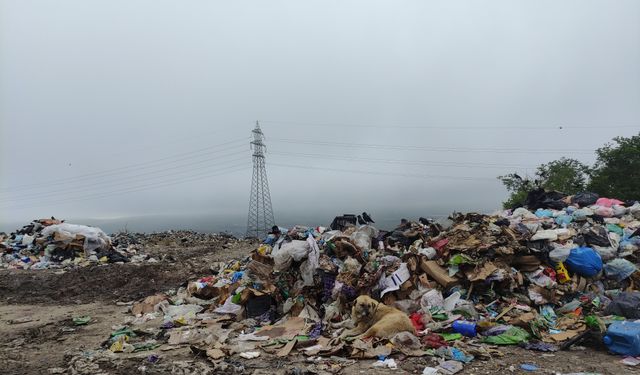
x=560 y=272
x=52 y=243
x=131 y=242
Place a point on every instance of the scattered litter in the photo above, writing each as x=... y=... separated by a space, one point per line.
x=388 y=363
x=81 y=320
x=250 y=355
x=528 y=367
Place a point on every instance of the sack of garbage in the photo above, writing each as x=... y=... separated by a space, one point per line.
x=94 y=238
x=584 y=261
x=626 y=304
x=288 y=252
x=585 y=199
x=619 y=269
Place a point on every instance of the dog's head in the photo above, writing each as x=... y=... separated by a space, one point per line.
x=364 y=308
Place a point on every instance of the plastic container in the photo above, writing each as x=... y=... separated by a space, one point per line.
x=623 y=338
x=465 y=328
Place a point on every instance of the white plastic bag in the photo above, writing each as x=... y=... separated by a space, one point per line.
x=432 y=298
x=523 y=213
x=288 y=252
x=550 y=235
x=94 y=238
x=560 y=254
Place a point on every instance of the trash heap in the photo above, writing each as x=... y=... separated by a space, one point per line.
x=130 y=242
x=562 y=271
x=51 y=243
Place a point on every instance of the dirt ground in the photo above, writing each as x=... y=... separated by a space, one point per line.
x=37 y=334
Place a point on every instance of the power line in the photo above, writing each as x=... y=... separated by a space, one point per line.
x=130 y=167
x=238 y=167
x=467 y=178
x=408 y=162
x=449 y=127
x=430 y=148
x=127 y=180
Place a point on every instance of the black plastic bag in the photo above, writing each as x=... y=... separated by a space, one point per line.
x=584 y=199
x=596 y=236
x=626 y=304
x=539 y=198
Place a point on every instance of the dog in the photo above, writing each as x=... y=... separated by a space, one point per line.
x=375 y=319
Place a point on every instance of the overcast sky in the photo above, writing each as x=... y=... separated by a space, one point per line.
x=112 y=109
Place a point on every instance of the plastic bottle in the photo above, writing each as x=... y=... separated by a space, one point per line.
x=623 y=338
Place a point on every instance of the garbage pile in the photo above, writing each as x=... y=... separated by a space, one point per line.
x=562 y=271
x=51 y=243
x=130 y=241
x=162 y=246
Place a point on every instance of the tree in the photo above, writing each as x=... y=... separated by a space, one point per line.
x=566 y=175
x=518 y=187
x=616 y=173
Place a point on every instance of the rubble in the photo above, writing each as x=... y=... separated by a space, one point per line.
x=543 y=279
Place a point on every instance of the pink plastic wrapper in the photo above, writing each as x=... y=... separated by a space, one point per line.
x=608 y=202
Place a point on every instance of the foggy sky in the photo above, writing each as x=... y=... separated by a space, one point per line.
x=119 y=109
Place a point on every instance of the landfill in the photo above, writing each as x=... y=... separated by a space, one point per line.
x=52 y=243
x=560 y=272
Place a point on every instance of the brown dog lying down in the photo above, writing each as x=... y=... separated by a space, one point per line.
x=373 y=318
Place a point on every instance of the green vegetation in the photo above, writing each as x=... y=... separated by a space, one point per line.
x=616 y=174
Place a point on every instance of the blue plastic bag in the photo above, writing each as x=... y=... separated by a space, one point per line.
x=619 y=269
x=543 y=213
x=564 y=220
x=584 y=261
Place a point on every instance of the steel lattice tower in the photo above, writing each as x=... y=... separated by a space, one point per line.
x=260 y=218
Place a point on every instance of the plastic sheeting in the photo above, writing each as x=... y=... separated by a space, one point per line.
x=94 y=238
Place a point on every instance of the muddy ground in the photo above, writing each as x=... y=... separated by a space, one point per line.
x=37 y=334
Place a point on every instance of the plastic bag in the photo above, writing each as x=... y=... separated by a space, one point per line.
x=429 y=252
x=619 y=211
x=450 y=302
x=182 y=313
x=608 y=202
x=523 y=213
x=606 y=252
x=604 y=211
x=288 y=252
x=635 y=210
x=309 y=266
x=542 y=213
x=615 y=229
x=584 y=199
x=596 y=235
x=229 y=308
x=619 y=269
x=625 y=304
x=564 y=219
x=584 y=261
x=582 y=214
x=94 y=238
x=560 y=253
x=361 y=240
x=432 y=298
x=549 y=235
x=512 y=336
